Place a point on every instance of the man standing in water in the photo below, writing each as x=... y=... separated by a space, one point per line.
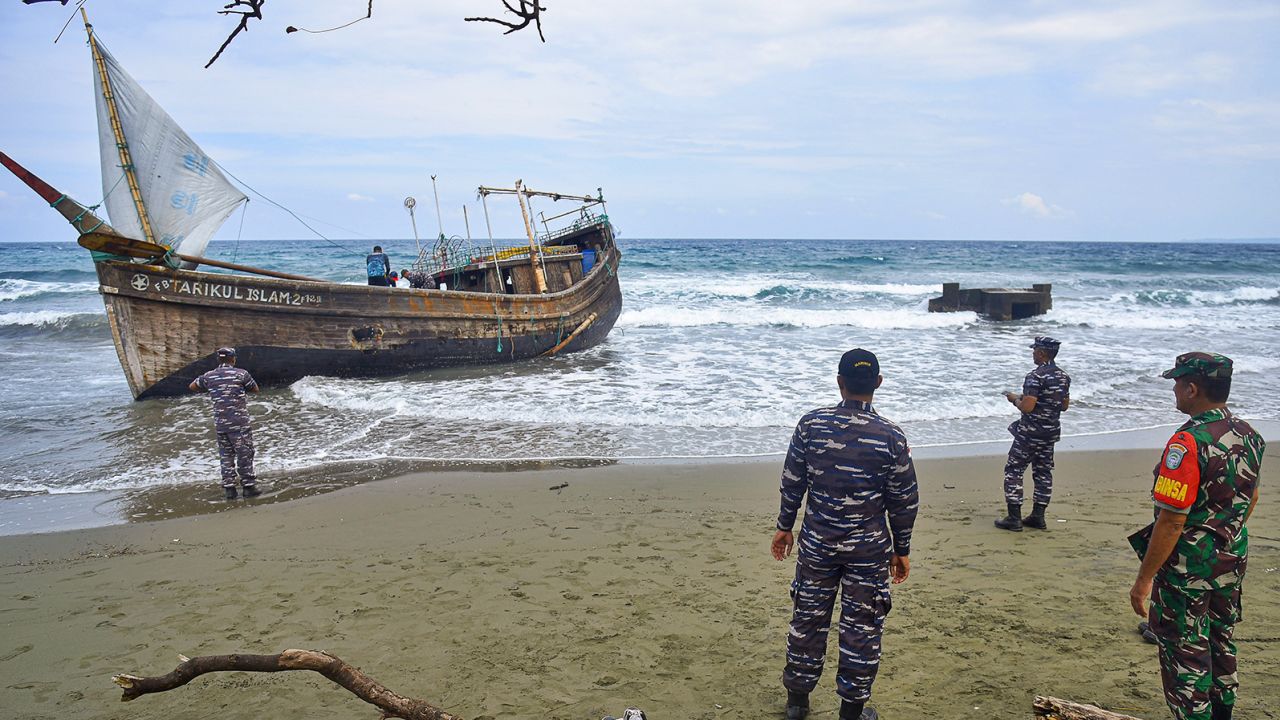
x=1193 y=561
x=856 y=469
x=1046 y=393
x=227 y=385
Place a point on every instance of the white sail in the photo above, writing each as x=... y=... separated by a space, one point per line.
x=185 y=195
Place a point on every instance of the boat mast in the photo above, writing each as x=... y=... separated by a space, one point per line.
x=534 y=254
x=126 y=158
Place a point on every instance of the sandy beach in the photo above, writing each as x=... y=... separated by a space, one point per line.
x=649 y=585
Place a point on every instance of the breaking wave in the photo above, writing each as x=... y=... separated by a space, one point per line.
x=17 y=288
x=879 y=319
x=51 y=322
x=1248 y=295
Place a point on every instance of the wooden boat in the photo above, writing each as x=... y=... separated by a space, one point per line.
x=166 y=199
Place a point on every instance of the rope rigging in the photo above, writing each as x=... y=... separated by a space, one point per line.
x=295 y=216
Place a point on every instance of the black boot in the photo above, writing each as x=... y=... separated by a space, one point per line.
x=857 y=711
x=797 y=705
x=251 y=491
x=1036 y=518
x=1220 y=712
x=231 y=493
x=1012 y=521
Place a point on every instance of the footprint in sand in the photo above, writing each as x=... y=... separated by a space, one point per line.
x=16 y=652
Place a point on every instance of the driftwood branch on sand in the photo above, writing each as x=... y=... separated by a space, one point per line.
x=398 y=706
x=1052 y=708
x=360 y=685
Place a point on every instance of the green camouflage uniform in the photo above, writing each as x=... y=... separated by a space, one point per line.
x=1195 y=597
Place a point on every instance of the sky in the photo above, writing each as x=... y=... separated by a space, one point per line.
x=920 y=119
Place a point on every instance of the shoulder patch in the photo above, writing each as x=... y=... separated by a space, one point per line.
x=1178 y=477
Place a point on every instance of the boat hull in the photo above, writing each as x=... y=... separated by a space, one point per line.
x=168 y=323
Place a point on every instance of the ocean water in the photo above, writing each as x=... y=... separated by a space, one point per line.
x=721 y=346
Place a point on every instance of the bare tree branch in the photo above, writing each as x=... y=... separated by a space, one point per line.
x=367 y=15
x=254 y=12
x=527 y=12
x=351 y=678
x=530 y=11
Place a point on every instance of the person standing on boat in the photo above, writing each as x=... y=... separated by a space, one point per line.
x=856 y=469
x=1046 y=394
x=404 y=281
x=227 y=385
x=378 y=266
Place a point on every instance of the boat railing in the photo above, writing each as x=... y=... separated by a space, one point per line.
x=588 y=219
x=445 y=262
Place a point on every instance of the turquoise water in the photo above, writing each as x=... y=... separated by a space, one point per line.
x=722 y=344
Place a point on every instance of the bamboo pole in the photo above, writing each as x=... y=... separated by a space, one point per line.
x=244 y=268
x=538 y=278
x=578 y=331
x=122 y=145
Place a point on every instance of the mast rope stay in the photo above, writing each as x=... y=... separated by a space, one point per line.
x=294 y=215
x=75 y=222
x=244 y=209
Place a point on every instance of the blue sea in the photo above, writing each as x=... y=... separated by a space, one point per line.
x=721 y=346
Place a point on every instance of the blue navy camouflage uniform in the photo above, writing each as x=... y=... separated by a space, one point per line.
x=856 y=469
x=1036 y=432
x=227 y=386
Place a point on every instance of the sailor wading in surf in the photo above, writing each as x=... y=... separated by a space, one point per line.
x=227 y=385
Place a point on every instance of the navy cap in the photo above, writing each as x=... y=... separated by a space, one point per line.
x=1044 y=342
x=859 y=363
x=226 y=352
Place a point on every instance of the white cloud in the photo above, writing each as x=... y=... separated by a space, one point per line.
x=357 y=197
x=1033 y=204
x=934 y=215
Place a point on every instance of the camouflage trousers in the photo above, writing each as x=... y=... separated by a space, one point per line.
x=1039 y=455
x=235 y=448
x=1197 y=655
x=864 y=603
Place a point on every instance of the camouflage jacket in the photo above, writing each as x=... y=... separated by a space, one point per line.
x=1209 y=470
x=856 y=468
x=1050 y=386
x=227 y=386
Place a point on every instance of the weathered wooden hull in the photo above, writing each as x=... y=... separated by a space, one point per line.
x=168 y=323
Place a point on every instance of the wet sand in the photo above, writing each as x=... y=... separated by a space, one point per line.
x=648 y=585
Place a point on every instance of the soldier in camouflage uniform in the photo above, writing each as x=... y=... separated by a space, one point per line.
x=227 y=385
x=1046 y=393
x=1194 y=554
x=856 y=469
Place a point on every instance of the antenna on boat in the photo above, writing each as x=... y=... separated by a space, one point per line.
x=409 y=204
x=439 y=220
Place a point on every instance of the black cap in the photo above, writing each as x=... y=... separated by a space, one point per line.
x=859 y=363
x=1044 y=342
x=226 y=352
